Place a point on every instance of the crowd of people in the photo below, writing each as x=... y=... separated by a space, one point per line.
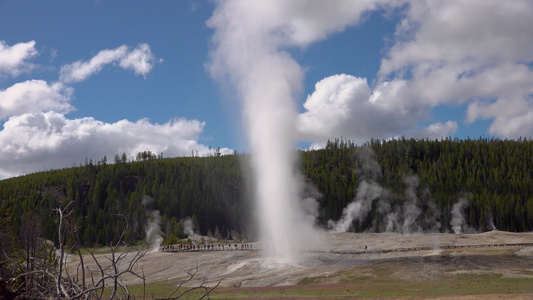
x=206 y=247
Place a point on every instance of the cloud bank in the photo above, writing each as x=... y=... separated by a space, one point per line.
x=477 y=54
x=35 y=141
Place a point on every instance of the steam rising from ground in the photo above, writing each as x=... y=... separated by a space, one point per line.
x=405 y=215
x=188 y=227
x=154 y=236
x=415 y=212
x=458 y=221
x=358 y=209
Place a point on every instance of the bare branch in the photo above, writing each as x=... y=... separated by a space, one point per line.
x=62 y=215
x=180 y=284
x=213 y=288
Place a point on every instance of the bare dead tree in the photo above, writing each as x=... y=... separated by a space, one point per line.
x=118 y=264
x=44 y=275
x=112 y=271
x=55 y=282
x=7 y=248
x=77 y=247
x=30 y=234
x=191 y=274
x=43 y=263
x=62 y=214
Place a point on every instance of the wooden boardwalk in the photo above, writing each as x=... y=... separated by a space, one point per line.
x=207 y=248
x=441 y=247
x=234 y=247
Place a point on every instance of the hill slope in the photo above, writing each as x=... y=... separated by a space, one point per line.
x=494 y=177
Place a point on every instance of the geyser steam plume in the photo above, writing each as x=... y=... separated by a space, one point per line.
x=249 y=42
x=152 y=227
x=266 y=82
x=458 y=221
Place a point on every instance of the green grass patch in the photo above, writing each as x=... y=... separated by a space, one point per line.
x=104 y=250
x=363 y=286
x=158 y=290
x=462 y=285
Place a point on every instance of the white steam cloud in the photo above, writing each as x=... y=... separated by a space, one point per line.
x=368 y=191
x=458 y=221
x=249 y=41
x=358 y=209
x=154 y=235
x=411 y=211
x=406 y=215
x=188 y=227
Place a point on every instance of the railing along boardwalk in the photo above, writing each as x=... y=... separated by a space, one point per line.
x=248 y=247
x=206 y=248
x=440 y=247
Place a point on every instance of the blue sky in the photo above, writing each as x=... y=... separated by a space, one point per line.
x=377 y=69
x=65 y=32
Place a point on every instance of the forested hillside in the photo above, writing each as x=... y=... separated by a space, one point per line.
x=208 y=189
x=495 y=178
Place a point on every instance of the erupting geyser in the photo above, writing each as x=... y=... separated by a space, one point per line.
x=266 y=81
x=250 y=38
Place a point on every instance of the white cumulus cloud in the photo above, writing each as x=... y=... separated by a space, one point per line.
x=13 y=59
x=140 y=60
x=34 y=96
x=436 y=130
x=342 y=105
x=34 y=141
x=474 y=52
x=512 y=117
x=476 y=33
